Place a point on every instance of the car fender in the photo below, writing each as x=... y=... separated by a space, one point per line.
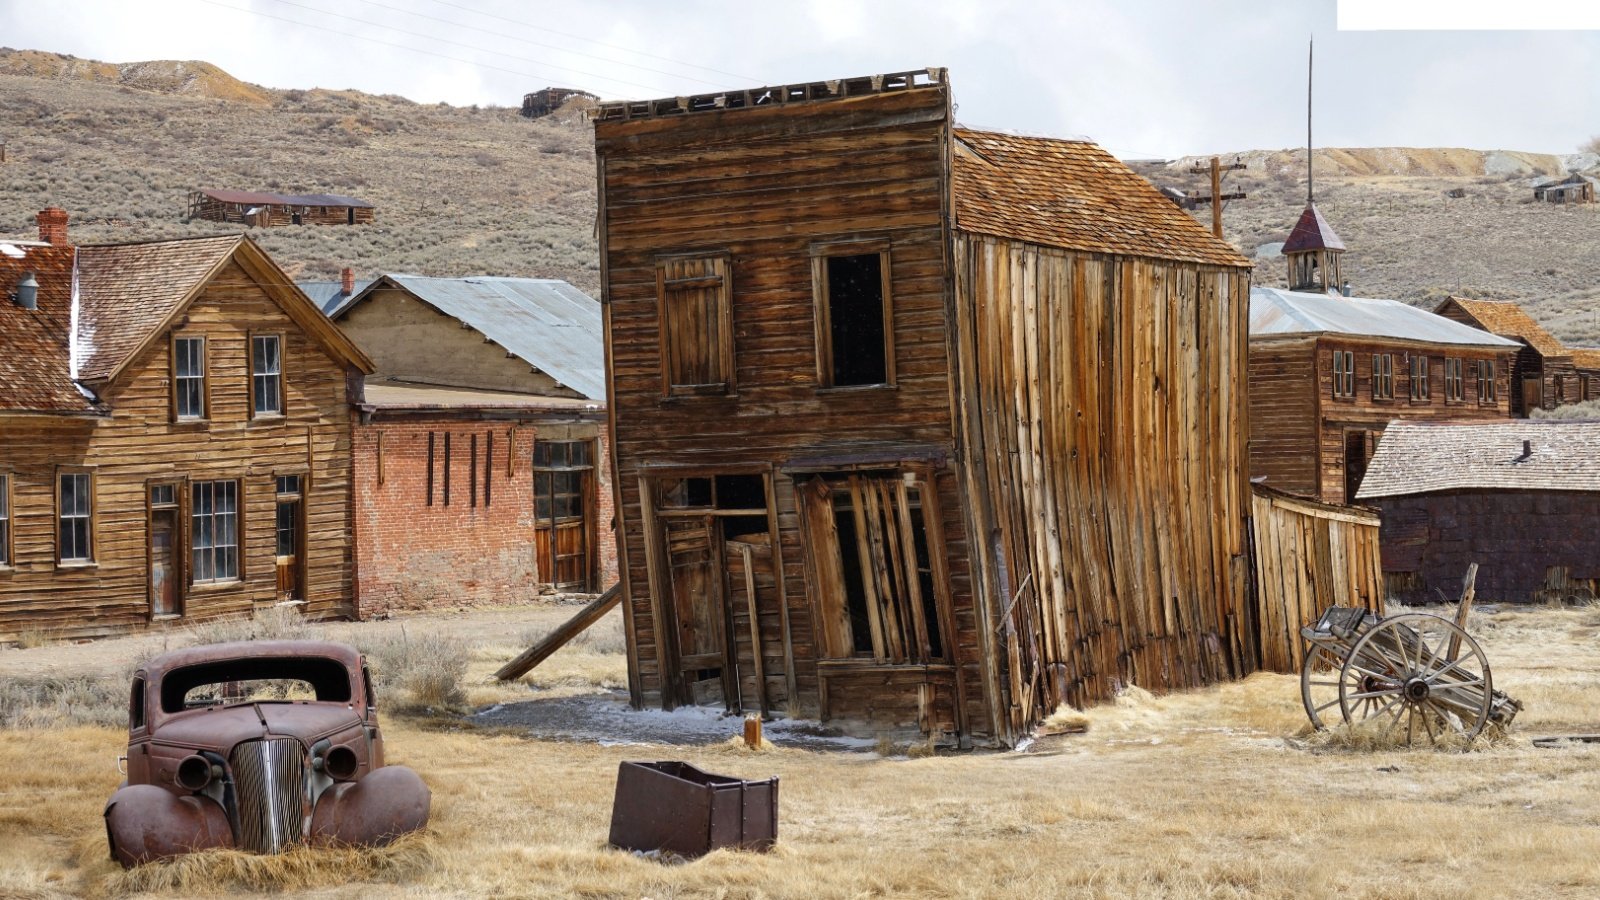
x=386 y=804
x=145 y=822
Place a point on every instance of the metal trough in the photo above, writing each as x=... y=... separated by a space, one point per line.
x=675 y=808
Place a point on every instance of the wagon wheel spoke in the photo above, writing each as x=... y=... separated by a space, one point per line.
x=1427 y=712
x=1454 y=666
x=1383 y=693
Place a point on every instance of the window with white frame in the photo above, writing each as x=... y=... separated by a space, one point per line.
x=1383 y=376
x=1344 y=373
x=1454 y=383
x=1486 y=386
x=214 y=531
x=1419 y=378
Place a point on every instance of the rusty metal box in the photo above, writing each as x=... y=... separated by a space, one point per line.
x=676 y=808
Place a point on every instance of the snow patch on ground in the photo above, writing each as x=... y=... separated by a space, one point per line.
x=606 y=719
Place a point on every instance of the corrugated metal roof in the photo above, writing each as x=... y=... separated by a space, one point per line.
x=328 y=295
x=1312 y=232
x=548 y=323
x=1073 y=195
x=1420 y=458
x=1274 y=311
x=399 y=395
x=264 y=199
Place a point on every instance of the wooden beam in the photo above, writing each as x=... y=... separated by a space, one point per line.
x=1469 y=588
x=555 y=640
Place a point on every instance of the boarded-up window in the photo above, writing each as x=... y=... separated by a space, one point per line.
x=1383 y=376
x=1486 y=388
x=1419 y=378
x=874 y=559
x=696 y=325
x=855 y=314
x=1454 y=384
x=1344 y=373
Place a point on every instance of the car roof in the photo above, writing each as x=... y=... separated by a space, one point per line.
x=158 y=666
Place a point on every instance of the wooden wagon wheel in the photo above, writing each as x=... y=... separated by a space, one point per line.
x=1400 y=676
x=1319 y=685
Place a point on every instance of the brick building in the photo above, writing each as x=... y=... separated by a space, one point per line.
x=479 y=457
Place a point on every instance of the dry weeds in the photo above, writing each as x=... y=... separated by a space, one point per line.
x=1202 y=794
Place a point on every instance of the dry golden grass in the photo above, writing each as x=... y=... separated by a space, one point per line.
x=1203 y=794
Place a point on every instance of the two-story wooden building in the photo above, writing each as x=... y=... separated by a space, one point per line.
x=915 y=426
x=1544 y=372
x=174 y=436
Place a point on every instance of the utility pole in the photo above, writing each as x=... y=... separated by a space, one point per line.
x=1217 y=197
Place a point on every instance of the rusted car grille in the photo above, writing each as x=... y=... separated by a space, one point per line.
x=269 y=780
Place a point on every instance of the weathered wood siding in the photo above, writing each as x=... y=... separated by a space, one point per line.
x=275 y=215
x=1309 y=556
x=1283 y=415
x=1361 y=412
x=763 y=185
x=1104 y=414
x=139 y=444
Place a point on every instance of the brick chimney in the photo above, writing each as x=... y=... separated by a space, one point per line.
x=53 y=226
x=347 y=281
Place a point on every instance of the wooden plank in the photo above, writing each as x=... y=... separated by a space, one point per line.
x=529 y=659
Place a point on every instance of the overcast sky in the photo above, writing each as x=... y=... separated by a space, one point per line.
x=1143 y=77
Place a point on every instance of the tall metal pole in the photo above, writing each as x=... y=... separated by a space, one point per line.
x=1310 y=193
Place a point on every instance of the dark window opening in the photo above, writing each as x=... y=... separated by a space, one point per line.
x=136 y=705
x=447 y=468
x=738 y=526
x=855 y=588
x=685 y=493
x=930 y=606
x=856 y=334
x=488 y=467
x=741 y=492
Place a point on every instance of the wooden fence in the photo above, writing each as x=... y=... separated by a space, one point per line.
x=1308 y=555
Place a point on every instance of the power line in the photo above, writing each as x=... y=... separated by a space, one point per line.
x=745 y=79
x=441 y=40
x=373 y=40
x=534 y=43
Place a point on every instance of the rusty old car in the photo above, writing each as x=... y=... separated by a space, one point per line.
x=257 y=745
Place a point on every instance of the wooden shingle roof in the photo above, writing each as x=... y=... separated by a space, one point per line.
x=1420 y=458
x=1312 y=232
x=1074 y=195
x=35 y=362
x=126 y=291
x=1585 y=357
x=1507 y=319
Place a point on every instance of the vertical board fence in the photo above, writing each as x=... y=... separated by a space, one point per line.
x=1309 y=555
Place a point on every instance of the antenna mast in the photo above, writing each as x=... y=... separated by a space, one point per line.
x=1310 y=193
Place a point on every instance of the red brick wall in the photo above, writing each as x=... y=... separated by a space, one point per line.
x=410 y=555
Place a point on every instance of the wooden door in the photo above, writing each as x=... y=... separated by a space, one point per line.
x=290 y=556
x=694 y=566
x=563 y=533
x=165 y=582
x=1532 y=394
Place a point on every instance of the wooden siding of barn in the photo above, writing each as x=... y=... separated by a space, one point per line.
x=139 y=445
x=1341 y=416
x=762 y=186
x=1284 y=406
x=1105 y=423
x=1309 y=556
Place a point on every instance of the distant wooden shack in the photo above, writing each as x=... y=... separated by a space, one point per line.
x=270 y=210
x=915 y=427
x=1574 y=188
x=1518 y=498
x=547 y=101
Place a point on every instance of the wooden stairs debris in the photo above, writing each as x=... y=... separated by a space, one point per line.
x=555 y=640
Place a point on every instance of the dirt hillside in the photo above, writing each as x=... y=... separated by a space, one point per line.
x=468 y=190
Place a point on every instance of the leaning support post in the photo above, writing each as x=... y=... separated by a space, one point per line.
x=1469 y=588
x=557 y=639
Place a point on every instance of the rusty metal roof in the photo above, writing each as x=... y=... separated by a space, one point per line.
x=1074 y=195
x=1421 y=458
x=1507 y=319
x=262 y=199
x=1277 y=312
x=546 y=322
x=35 y=351
x=1312 y=232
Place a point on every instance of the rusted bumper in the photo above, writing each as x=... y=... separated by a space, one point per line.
x=145 y=823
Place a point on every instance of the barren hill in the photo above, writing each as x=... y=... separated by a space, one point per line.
x=484 y=191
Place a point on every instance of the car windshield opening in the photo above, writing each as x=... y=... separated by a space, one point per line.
x=246 y=680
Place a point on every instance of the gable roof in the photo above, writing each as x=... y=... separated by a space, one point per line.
x=35 y=346
x=1277 y=312
x=546 y=322
x=126 y=291
x=330 y=295
x=263 y=199
x=1312 y=232
x=1507 y=319
x=1420 y=458
x=1074 y=195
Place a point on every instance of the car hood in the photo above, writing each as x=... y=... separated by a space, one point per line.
x=219 y=728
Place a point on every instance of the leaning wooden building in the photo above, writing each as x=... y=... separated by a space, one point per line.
x=914 y=426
